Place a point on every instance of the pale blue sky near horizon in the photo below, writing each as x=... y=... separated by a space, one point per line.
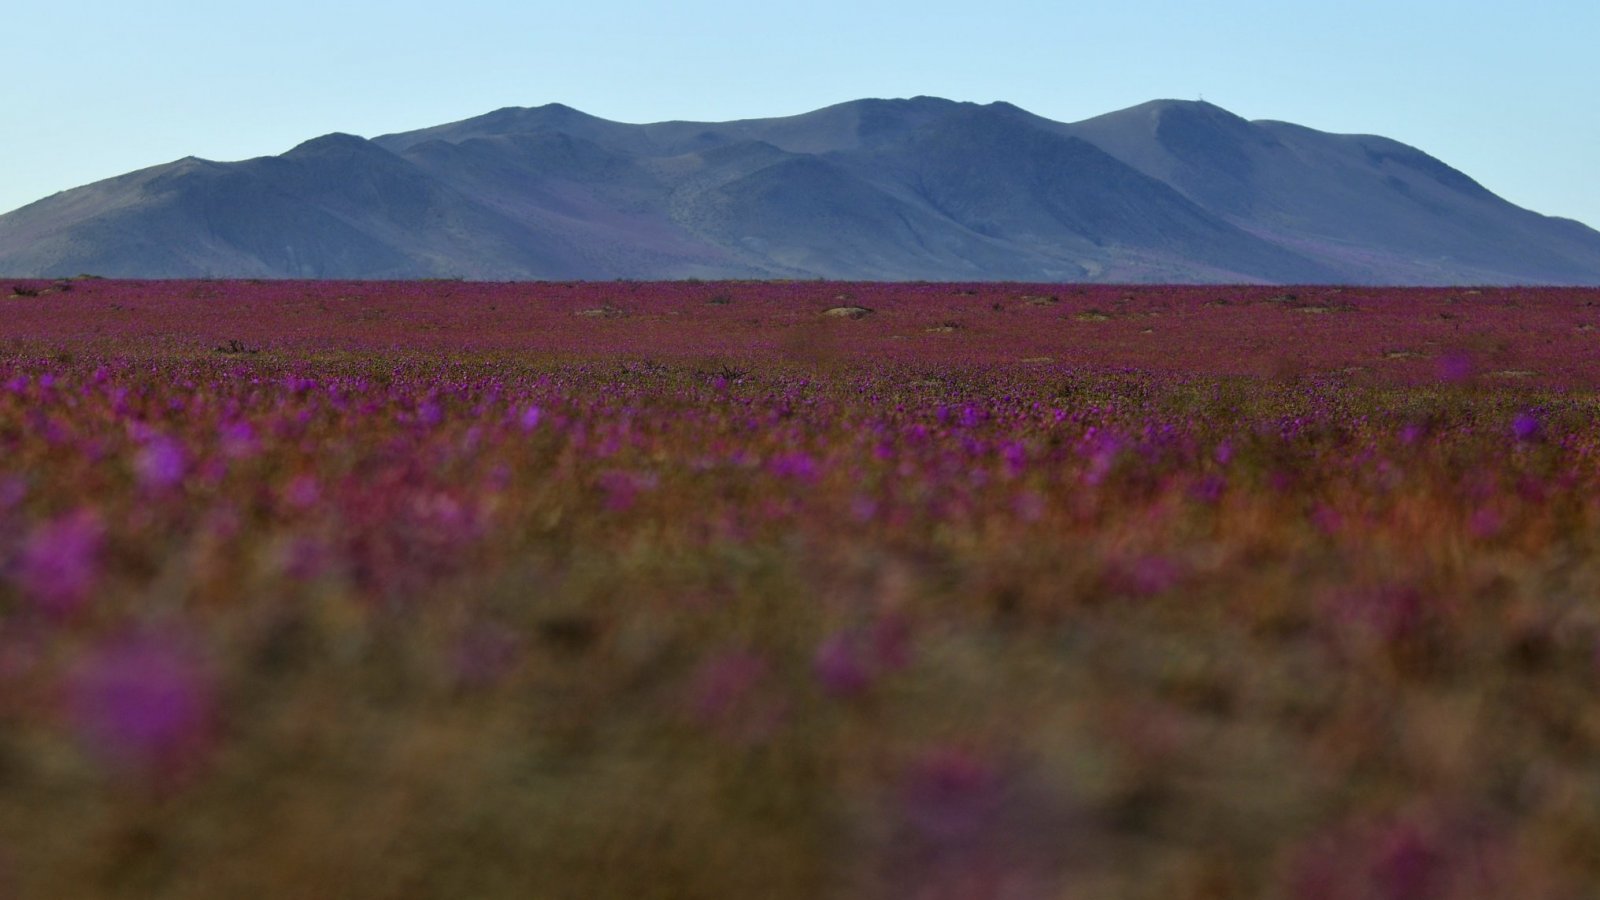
x=1507 y=95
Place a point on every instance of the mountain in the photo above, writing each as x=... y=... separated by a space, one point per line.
x=922 y=188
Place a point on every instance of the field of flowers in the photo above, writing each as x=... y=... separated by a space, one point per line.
x=798 y=590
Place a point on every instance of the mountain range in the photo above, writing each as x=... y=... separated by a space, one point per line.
x=911 y=189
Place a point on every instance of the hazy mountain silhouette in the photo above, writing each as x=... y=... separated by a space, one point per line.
x=872 y=189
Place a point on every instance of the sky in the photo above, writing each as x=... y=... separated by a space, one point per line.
x=1507 y=93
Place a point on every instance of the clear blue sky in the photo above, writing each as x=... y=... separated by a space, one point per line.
x=1508 y=93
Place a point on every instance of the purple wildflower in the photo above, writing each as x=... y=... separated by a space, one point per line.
x=238 y=440
x=302 y=492
x=1455 y=368
x=724 y=682
x=1486 y=522
x=864 y=508
x=838 y=666
x=729 y=695
x=799 y=466
x=1209 y=490
x=1407 y=865
x=143 y=704
x=950 y=796
x=1015 y=455
x=160 y=464
x=530 y=418
x=13 y=491
x=621 y=488
x=890 y=640
x=60 y=563
x=1028 y=506
x=1145 y=576
x=1526 y=426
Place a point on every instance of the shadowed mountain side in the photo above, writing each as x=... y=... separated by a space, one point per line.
x=836 y=225
x=1061 y=196
x=921 y=188
x=1373 y=208
x=334 y=207
x=611 y=212
x=178 y=219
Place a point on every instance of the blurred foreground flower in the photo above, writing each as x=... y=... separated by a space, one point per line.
x=839 y=667
x=950 y=796
x=969 y=829
x=60 y=563
x=1526 y=426
x=160 y=464
x=530 y=418
x=730 y=694
x=848 y=662
x=144 y=704
x=1455 y=368
x=1402 y=859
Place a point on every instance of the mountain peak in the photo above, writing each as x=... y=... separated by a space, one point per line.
x=335 y=142
x=1156 y=110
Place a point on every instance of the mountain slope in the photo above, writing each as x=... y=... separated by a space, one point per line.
x=1369 y=206
x=922 y=188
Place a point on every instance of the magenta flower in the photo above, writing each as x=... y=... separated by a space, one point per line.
x=731 y=695
x=1526 y=426
x=1209 y=490
x=1455 y=368
x=1144 y=576
x=1400 y=859
x=890 y=640
x=60 y=563
x=13 y=491
x=143 y=704
x=1407 y=865
x=238 y=440
x=725 y=682
x=304 y=559
x=950 y=796
x=1028 y=506
x=160 y=464
x=1485 y=523
x=864 y=508
x=1389 y=615
x=798 y=466
x=622 y=488
x=967 y=829
x=838 y=665
x=1015 y=456
x=302 y=492
x=530 y=418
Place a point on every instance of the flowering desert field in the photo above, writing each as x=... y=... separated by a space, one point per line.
x=798 y=590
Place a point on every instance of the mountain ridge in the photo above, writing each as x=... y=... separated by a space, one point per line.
x=919 y=188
